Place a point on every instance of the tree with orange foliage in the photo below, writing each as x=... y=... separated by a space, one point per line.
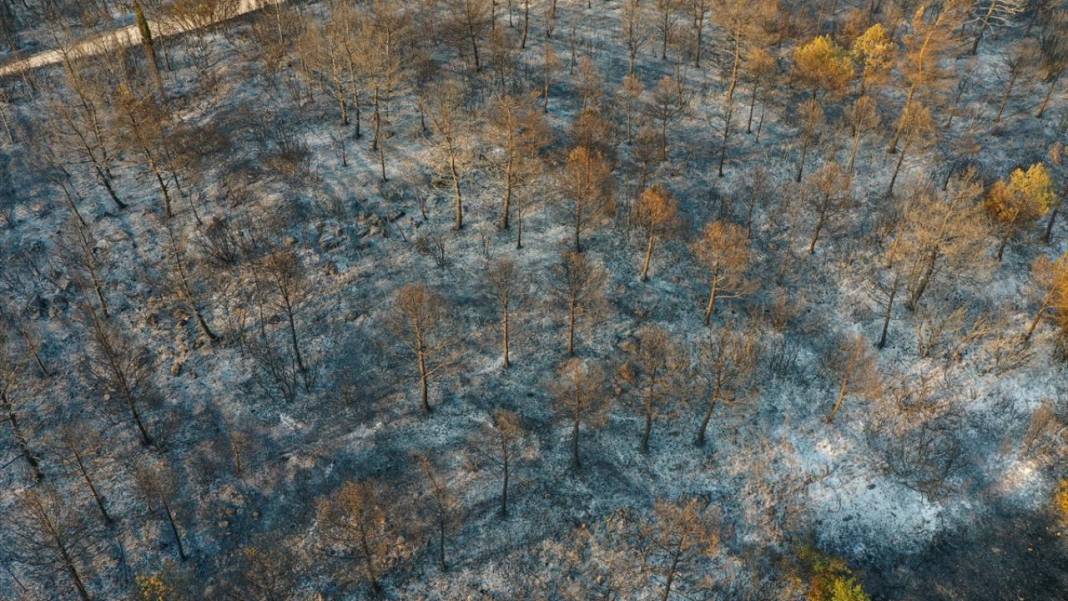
x=519 y=131
x=1051 y=280
x=581 y=399
x=823 y=66
x=931 y=38
x=587 y=184
x=657 y=213
x=579 y=283
x=723 y=249
x=679 y=535
x=355 y=521
x=829 y=196
x=854 y=365
x=418 y=322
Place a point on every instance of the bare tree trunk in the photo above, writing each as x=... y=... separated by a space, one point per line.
x=901 y=122
x=648 y=431
x=888 y=311
x=571 y=309
x=424 y=379
x=368 y=559
x=730 y=104
x=1008 y=92
x=925 y=279
x=853 y=152
x=801 y=163
x=711 y=306
x=506 y=330
x=526 y=24
x=897 y=167
x=819 y=228
x=671 y=573
x=174 y=527
x=842 y=390
x=293 y=340
x=575 y=461
x=1038 y=317
x=99 y=500
x=456 y=189
x=506 y=209
x=68 y=563
x=701 y=432
x=1045 y=101
x=504 y=486
x=1049 y=224
x=648 y=258
x=21 y=442
x=983 y=25
x=1003 y=243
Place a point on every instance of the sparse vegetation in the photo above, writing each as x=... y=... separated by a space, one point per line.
x=533 y=299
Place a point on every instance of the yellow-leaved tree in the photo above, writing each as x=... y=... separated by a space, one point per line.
x=823 y=66
x=874 y=51
x=1018 y=200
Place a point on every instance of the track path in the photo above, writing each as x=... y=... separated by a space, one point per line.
x=124 y=37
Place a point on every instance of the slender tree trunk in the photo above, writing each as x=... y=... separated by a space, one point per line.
x=1008 y=92
x=1038 y=317
x=526 y=24
x=925 y=279
x=441 y=543
x=1004 y=242
x=730 y=105
x=424 y=380
x=504 y=487
x=983 y=25
x=648 y=257
x=671 y=571
x=1049 y=224
x=752 y=108
x=474 y=49
x=1045 y=101
x=97 y=498
x=105 y=180
x=456 y=190
x=888 y=311
x=575 y=461
x=701 y=432
x=819 y=229
x=801 y=163
x=853 y=152
x=648 y=431
x=45 y=372
x=519 y=229
x=505 y=326
x=68 y=563
x=368 y=560
x=571 y=309
x=174 y=528
x=897 y=167
x=712 y=292
x=901 y=122
x=578 y=227
x=842 y=390
x=23 y=444
x=507 y=207
x=146 y=438
x=293 y=340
